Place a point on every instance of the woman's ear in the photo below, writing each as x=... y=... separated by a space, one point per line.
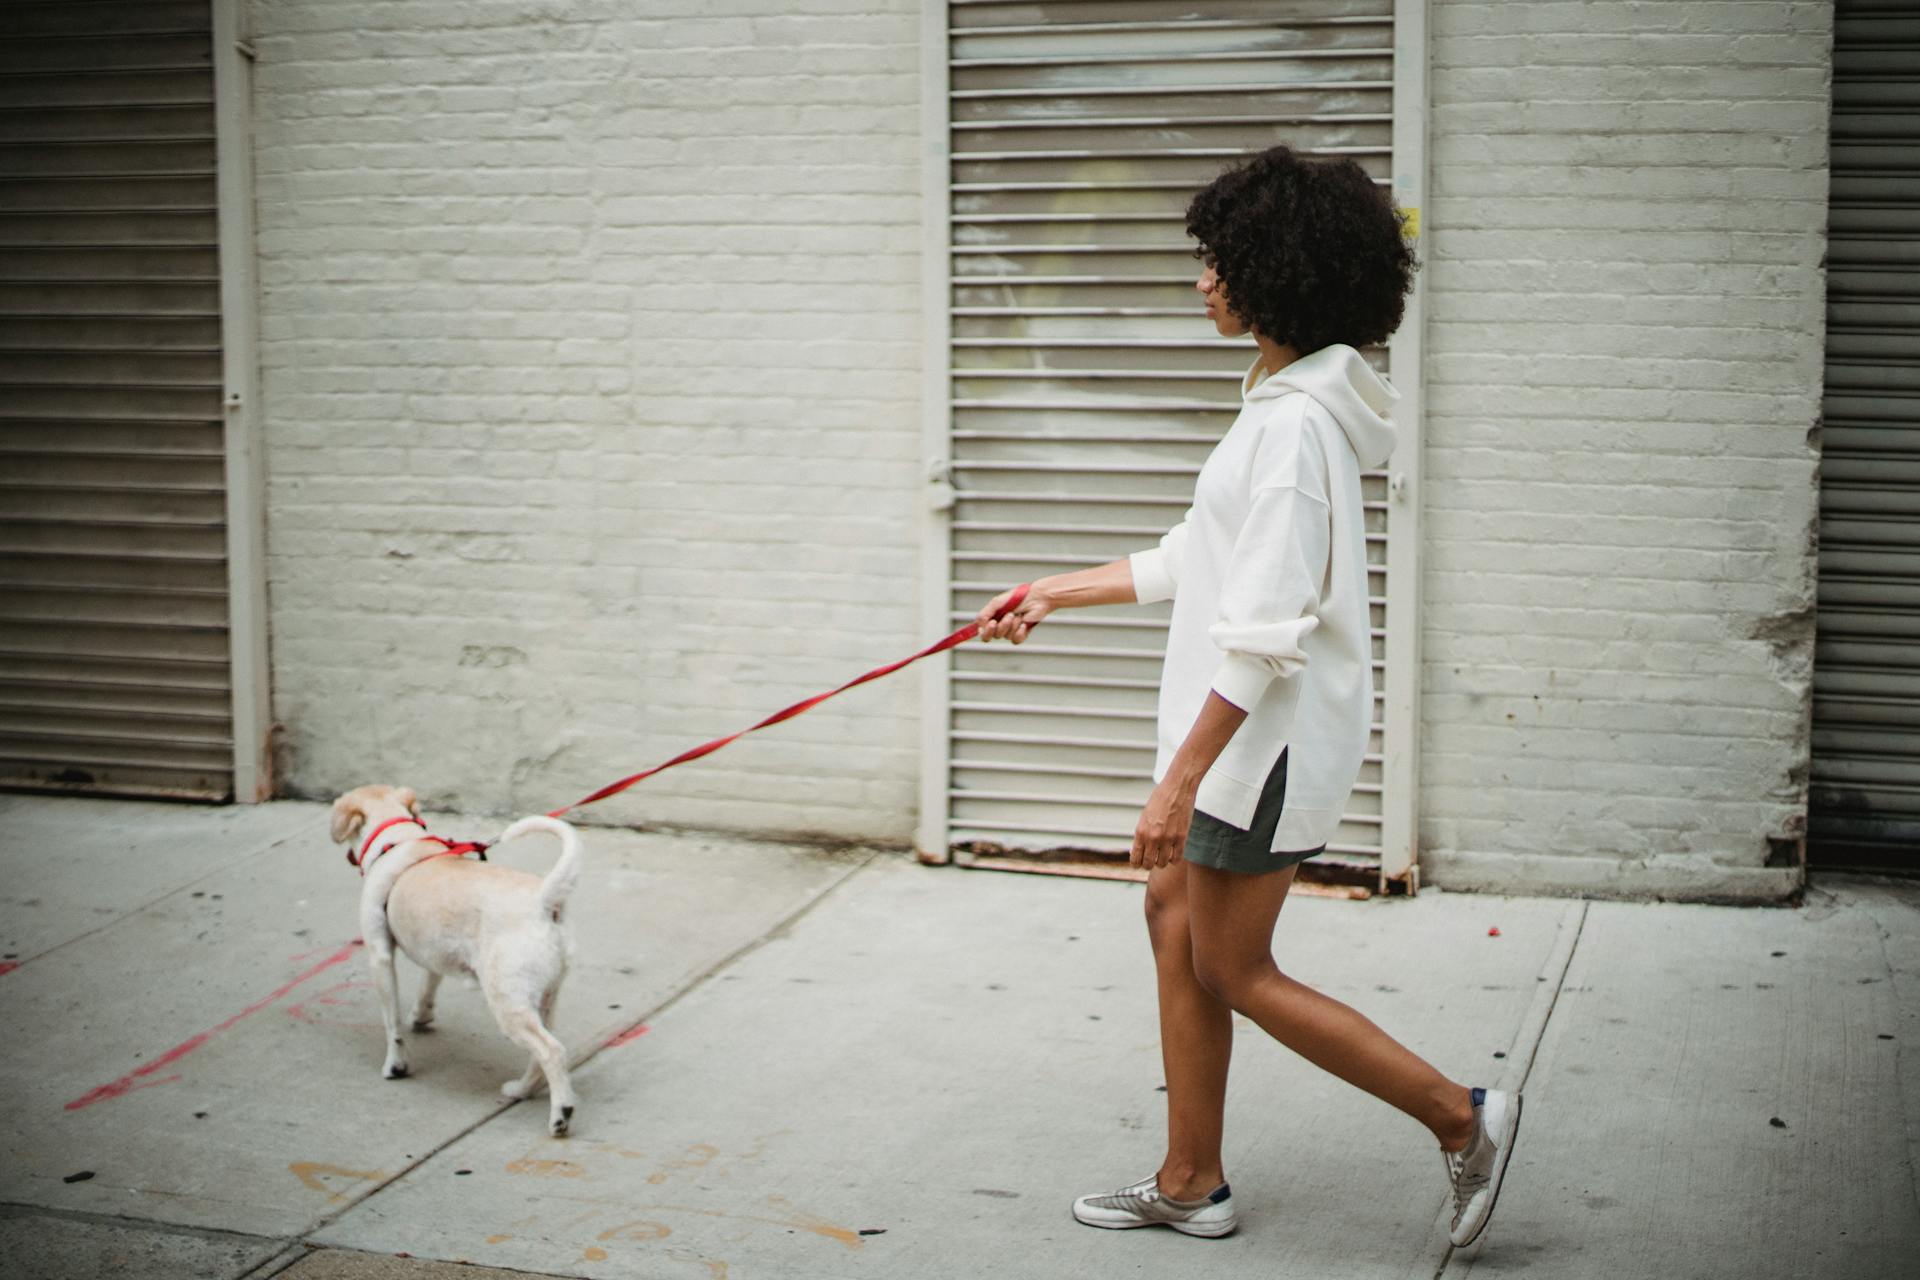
x=348 y=818
x=409 y=801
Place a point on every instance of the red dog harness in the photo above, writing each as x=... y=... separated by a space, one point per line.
x=451 y=849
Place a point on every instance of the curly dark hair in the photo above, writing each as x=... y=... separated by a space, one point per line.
x=1310 y=249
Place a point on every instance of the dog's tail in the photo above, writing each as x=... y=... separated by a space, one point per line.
x=558 y=886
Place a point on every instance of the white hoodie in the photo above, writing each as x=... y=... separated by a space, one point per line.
x=1268 y=578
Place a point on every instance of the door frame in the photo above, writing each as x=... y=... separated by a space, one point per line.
x=1400 y=774
x=240 y=402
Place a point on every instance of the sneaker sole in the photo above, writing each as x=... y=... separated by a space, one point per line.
x=1499 y=1173
x=1206 y=1230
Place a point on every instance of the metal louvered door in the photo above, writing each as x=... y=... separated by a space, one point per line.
x=1865 y=793
x=114 y=664
x=1087 y=386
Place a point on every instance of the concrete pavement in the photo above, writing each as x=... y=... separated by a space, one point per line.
x=837 y=1063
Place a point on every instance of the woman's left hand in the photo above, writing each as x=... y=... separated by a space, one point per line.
x=1161 y=836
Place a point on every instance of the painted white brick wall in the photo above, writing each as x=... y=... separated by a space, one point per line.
x=1627 y=226
x=591 y=345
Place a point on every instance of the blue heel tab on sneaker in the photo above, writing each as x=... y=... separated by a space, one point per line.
x=1479 y=1098
x=1220 y=1193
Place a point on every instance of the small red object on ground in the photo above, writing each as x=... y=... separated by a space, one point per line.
x=1494 y=932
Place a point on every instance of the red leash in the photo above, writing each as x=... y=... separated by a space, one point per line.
x=959 y=637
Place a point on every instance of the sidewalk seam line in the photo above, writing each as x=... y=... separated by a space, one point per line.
x=1893 y=985
x=22 y=1208
x=154 y=902
x=279 y=1264
x=1554 y=989
x=699 y=980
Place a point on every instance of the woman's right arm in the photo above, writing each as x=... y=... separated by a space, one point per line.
x=1145 y=577
x=1108 y=584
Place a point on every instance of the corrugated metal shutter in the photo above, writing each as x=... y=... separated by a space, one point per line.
x=1087 y=386
x=1865 y=804
x=113 y=582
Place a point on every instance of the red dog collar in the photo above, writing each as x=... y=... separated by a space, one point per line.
x=450 y=848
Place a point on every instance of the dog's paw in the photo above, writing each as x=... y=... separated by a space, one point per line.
x=423 y=1024
x=395 y=1071
x=560 y=1121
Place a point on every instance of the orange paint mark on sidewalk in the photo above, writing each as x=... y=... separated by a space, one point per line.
x=819 y=1226
x=311 y=1174
x=641 y=1229
x=546 y=1168
x=699 y=1155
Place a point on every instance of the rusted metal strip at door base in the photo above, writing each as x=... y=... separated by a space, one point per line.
x=1103 y=867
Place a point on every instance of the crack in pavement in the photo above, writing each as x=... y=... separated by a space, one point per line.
x=778 y=929
x=1527 y=1040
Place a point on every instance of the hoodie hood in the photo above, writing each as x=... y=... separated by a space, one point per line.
x=1346 y=386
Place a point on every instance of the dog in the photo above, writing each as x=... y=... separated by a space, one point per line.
x=461 y=918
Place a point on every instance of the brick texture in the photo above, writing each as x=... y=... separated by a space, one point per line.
x=1627 y=227
x=591 y=349
x=591 y=343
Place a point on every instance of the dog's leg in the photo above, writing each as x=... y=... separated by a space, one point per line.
x=529 y=1080
x=423 y=1007
x=524 y=1085
x=525 y=1027
x=386 y=985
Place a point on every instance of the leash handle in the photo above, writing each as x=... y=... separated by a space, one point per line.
x=958 y=638
x=1014 y=602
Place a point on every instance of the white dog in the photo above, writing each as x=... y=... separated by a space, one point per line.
x=462 y=918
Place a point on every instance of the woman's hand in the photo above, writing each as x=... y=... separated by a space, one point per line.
x=1016 y=625
x=1161 y=836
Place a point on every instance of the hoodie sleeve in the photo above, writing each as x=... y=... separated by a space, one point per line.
x=1270 y=596
x=1156 y=571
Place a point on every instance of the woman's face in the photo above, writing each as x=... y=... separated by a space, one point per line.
x=1224 y=321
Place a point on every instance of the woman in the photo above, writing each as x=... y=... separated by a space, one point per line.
x=1266 y=698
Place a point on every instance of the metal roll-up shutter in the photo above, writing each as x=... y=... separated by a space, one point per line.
x=1087 y=387
x=1865 y=794
x=113 y=584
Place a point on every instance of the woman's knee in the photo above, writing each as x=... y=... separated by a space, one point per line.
x=1166 y=910
x=1231 y=978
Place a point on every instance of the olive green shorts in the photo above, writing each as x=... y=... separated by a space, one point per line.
x=1213 y=843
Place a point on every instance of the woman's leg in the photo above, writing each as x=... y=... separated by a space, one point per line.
x=1231 y=917
x=1196 y=1041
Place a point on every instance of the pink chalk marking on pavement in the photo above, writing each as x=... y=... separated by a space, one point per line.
x=8 y=966
x=330 y=996
x=631 y=1033
x=136 y=1079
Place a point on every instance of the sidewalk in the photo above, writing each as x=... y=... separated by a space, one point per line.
x=807 y=1064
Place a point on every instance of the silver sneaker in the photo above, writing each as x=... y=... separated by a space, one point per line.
x=1476 y=1170
x=1142 y=1205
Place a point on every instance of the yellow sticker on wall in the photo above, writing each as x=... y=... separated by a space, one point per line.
x=1410 y=223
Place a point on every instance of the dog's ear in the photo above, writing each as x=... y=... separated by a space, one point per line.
x=409 y=801
x=348 y=818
